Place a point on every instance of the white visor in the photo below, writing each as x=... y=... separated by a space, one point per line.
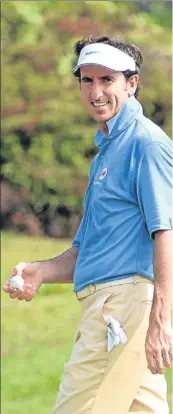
x=106 y=56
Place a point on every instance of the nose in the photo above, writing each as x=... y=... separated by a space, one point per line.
x=97 y=92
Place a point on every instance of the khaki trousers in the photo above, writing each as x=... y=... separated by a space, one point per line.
x=96 y=381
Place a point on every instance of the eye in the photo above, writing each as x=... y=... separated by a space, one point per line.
x=86 y=80
x=107 y=79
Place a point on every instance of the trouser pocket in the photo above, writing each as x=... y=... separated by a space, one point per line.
x=115 y=333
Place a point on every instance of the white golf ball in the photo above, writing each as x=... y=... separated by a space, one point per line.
x=17 y=282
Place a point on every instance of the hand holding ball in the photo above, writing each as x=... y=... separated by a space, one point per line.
x=17 y=282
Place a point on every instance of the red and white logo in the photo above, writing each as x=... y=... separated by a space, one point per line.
x=103 y=174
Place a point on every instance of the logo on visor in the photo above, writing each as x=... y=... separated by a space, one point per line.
x=92 y=51
x=103 y=174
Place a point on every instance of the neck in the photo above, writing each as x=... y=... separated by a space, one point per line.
x=104 y=128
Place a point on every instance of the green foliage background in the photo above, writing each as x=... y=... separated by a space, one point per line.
x=47 y=137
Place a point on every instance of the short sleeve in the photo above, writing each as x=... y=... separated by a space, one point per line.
x=77 y=240
x=154 y=187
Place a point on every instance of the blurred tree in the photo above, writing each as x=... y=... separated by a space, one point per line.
x=47 y=137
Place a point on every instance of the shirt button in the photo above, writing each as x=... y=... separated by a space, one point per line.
x=102 y=156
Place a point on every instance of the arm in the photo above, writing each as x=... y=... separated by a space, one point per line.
x=59 y=269
x=159 y=336
x=163 y=275
x=154 y=194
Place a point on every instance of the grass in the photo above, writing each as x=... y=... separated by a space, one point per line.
x=37 y=337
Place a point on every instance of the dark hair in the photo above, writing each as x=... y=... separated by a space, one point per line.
x=123 y=45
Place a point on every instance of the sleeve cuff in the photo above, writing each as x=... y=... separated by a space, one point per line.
x=160 y=225
x=75 y=244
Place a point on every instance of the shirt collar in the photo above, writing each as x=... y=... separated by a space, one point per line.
x=120 y=122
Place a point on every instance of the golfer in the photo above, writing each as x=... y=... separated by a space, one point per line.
x=120 y=260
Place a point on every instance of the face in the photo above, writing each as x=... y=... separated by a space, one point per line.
x=104 y=92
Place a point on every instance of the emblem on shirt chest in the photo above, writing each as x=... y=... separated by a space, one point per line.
x=103 y=174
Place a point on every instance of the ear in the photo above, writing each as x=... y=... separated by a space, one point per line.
x=132 y=84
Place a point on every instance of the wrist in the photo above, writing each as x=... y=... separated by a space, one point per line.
x=44 y=270
x=41 y=270
x=160 y=313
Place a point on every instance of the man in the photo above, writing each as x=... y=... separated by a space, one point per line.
x=120 y=260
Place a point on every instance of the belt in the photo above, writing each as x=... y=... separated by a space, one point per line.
x=94 y=287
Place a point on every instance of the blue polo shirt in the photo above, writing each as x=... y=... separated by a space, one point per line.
x=129 y=197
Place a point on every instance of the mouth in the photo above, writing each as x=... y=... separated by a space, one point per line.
x=99 y=104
